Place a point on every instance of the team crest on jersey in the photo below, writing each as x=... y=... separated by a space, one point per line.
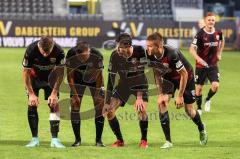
x=166 y=65
x=134 y=60
x=217 y=37
x=52 y=60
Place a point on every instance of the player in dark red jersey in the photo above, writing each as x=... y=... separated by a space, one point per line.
x=206 y=49
x=172 y=71
x=42 y=59
x=84 y=66
x=128 y=62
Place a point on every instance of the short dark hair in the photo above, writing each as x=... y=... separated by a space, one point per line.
x=124 y=37
x=209 y=14
x=46 y=43
x=157 y=37
x=82 y=46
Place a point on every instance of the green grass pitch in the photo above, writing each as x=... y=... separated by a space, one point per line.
x=222 y=122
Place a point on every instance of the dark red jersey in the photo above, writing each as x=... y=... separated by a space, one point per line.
x=170 y=63
x=208 y=46
x=85 y=71
x=41 y=66
x=130 y=70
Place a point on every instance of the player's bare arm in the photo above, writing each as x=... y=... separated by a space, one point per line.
x=182 y=85
x=70 y=77
x=222 y=44
x=193 y=52
x=32 y=99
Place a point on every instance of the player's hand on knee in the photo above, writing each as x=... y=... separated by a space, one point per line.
x=179 y=102
x=202 y=62
x=139 y=105
x=106 y=109
x=53 y=100
x=33 y=100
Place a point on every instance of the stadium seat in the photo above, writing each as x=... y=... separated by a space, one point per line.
x=145 y=9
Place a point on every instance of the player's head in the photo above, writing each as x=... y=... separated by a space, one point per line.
x=83 y=50
x=46 y=45
x=124 y=45
x=209 y=20
x=155 y=44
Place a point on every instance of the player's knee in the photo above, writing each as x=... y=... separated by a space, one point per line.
x=99 y=103
x=54 y=109
x=190 y=111
x=142 y=115
x=110 y=115
x=98 y=111
x=162 y=108
x=75 y=107
x=198 y=90
x=215 y=86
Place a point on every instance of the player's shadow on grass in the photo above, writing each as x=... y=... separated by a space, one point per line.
x=46 y=144
x=185 y=144
x=42 y=143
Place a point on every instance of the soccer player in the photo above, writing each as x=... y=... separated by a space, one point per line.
x=206 y=49
x=128 y=62
x=84 y=68
x=42 y=59
x=170 y=66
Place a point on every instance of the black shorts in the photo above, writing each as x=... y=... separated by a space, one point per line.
x=189 y=93
x=38 y=84
x=95 y=92
x=123 y=91
x=201 y=74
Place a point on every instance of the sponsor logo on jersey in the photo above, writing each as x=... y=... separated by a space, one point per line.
x=194 y=41
x=44 y=68
x=211 y=44
x=52 y=60
x=134 y=60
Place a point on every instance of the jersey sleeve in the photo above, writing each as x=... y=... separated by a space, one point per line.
x=112 y=67
x=196 y=40
x=28 y=59
x=69 y=59
x=177 y=63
